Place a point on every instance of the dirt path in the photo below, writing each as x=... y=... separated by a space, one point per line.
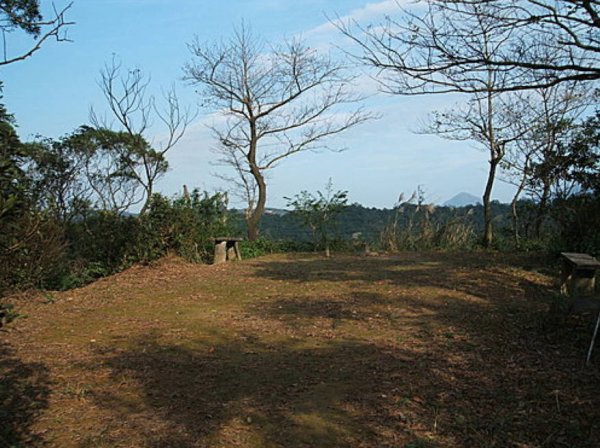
x=414 y=350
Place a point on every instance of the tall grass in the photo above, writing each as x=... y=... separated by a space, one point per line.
x=414 y=226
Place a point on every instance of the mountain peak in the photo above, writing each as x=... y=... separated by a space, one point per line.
x=462 y=199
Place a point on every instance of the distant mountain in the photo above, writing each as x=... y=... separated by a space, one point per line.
x=268 y=211
x=462 y=200
x=276 y=211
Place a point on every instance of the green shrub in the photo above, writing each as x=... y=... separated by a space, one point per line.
x=184 y=226
x=261 y=246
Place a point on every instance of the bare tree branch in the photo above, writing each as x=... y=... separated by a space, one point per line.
x=433 y=47
x=134 y=109
x=43 y=30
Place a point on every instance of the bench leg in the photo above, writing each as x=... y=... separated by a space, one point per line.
x=231 y=254
x=589 y=354
x=565 y=278
x=583 y=283
x=220 y=252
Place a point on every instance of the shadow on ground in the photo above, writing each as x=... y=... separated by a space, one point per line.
x=339 y=395
x=24 y=390
x=411 y=351
x=486 y=276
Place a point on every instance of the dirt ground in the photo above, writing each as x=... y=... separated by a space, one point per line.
x=410 y=350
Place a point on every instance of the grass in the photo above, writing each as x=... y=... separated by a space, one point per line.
x=411 y=350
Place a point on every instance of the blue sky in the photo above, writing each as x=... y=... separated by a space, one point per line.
x=51 y=93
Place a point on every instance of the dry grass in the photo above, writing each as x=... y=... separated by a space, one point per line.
x=414 y=350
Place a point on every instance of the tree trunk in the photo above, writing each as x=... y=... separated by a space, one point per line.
x=149 y=192
x=488 y=234
x=496 y=154
x=541 y=211
x=255 y=216
x=515 y=219
x=515 y=216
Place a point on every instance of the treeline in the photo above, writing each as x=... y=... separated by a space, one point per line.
x=65 y=220
x=566 y=225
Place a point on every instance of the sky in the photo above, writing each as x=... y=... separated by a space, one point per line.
x=51 y=93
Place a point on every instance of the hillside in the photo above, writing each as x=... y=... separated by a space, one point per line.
x=370 y=222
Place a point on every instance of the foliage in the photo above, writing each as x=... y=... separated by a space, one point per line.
x=266 y=246
x=184 y=225
x=59 y=255
x=22 y=14
x=22 y=227
x=99 y=244
x=7 y=314
x=90 y=167
x=320 y=212
x=257 y=248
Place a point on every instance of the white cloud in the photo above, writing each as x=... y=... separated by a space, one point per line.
x=367 y=12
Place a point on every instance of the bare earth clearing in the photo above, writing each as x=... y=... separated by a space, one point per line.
x=413 y=350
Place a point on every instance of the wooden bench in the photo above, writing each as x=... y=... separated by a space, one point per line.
x=578 y=274
x=227 y=249
x=578 y=280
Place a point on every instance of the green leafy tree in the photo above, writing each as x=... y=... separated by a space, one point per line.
x=576 y=165
x=319 y=212
x=12 y=188
x=90 y=167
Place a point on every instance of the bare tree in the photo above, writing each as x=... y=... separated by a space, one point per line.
x=433 y=48
x=25 y=16
x=488 y=120
x=488 y=116
x=548 y=118
x=277 y=101
x=134 y=111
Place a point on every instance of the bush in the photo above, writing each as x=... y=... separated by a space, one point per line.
x=266 y=246
x=184 y=226
x=46 y=253
x=35 y=250
x=416 y=227
x=258 y=248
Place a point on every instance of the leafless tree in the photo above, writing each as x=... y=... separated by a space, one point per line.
x=134 y=111
x=549 y=116
x=277 y=102
x=433 y=48
x=488 y=116
x=488 y=120
x=25 y=16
